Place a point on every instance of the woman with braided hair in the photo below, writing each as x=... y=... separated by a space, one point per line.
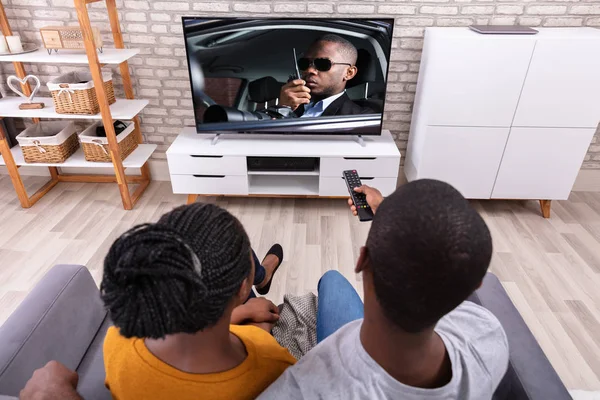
x=175 y=290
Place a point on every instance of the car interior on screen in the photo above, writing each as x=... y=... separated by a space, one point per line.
x=245 y=64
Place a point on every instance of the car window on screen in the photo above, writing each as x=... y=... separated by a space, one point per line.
x=223 y=91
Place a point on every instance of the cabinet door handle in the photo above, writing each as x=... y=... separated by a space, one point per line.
x=199 y=156
x=209 y=176
x=360 y=158
x=364 y=178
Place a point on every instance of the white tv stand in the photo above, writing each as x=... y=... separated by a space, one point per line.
x=216 y=165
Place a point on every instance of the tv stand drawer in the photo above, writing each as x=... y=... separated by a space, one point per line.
x=366 y=166
x=336 y=186
x=189 y=164
x=209 y=184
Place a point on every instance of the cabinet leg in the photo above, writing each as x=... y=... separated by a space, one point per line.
x=545 y=206
x=192 y=198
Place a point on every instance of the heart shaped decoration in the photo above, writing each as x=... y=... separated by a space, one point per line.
x=12 y=78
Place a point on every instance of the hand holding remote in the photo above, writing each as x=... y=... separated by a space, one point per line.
x=374 y=198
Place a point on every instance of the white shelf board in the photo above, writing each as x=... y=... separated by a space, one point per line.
x=108 y=56
x=121 y=109
x=285 y=173
x=135 y=160
x=284 y=185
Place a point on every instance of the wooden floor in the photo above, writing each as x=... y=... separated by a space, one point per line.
x=550 y=268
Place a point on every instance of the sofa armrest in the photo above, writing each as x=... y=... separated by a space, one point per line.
x=57 y=321
x=530 y=375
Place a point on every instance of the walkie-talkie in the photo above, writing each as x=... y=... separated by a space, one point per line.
x=297 y=76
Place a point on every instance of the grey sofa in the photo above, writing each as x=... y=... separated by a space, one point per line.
x=63 y=319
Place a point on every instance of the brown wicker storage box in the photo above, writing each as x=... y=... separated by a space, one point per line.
x=48 y=142
x=70 y=96
x=96 y=148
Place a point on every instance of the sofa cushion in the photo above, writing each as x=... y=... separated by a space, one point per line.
x=530 y=375
x=57 y=321
x=91 y=370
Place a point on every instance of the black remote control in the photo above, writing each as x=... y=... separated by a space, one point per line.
x=365 y=213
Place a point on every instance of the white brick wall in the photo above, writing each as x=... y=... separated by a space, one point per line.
x=160 y=72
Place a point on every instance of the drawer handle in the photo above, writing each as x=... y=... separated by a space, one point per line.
x=360 y=158
x=363 y=178
x=198 y=156
x=209 y=176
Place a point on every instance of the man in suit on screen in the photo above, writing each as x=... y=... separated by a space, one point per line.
x=325 y=69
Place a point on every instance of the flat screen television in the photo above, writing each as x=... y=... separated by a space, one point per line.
x=288 y=76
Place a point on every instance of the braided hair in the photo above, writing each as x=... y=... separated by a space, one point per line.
x=177 y=275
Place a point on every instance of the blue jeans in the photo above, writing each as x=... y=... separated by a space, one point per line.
x=259 y=274
x=338 y=304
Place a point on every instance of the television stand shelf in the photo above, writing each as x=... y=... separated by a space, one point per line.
x=200 y=168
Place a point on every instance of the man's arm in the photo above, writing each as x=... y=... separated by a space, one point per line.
x=52 y=382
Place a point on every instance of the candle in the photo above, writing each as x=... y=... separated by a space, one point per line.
x=14 y=44
x=3 y=45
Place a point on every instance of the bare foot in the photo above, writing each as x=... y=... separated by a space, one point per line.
x=270 y=263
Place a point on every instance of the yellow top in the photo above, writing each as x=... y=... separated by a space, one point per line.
x=133 y=372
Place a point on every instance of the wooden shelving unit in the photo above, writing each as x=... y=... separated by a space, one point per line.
x=125 y=109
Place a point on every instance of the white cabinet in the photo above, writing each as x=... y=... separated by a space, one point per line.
x=563 y=84
x=470 y=157
x=199 y=167
x=480 y=91
x=549 y=171
x=505 y=116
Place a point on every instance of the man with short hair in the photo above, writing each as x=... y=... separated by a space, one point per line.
x=426 y=252
x=326 y=67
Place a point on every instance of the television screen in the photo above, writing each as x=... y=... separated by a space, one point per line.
x=288 y=76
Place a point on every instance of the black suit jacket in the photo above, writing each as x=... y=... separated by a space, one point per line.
x=340 y=106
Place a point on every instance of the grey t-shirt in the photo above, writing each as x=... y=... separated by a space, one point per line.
x=340 y=368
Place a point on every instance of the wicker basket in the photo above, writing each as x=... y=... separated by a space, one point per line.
x=96 y=148
x=72 y=97
x=48 y=142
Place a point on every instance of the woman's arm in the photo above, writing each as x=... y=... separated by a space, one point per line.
x=256 y=310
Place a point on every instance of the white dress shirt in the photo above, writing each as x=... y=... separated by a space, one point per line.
x=316 y=109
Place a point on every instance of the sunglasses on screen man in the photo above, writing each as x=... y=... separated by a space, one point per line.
x=320 y=64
